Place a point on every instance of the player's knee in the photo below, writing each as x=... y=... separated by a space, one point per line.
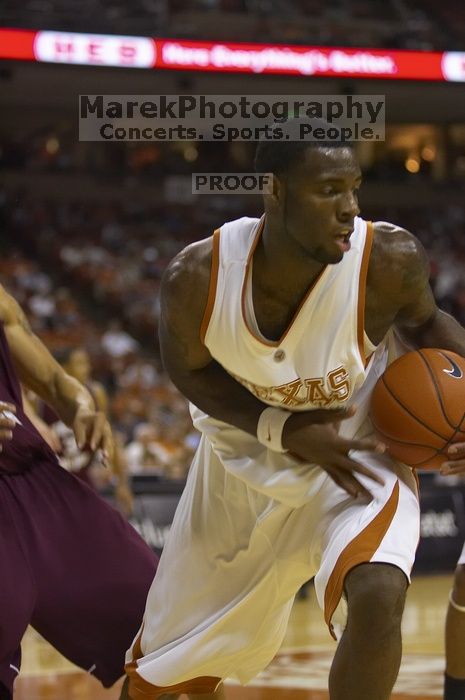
x=376 y=597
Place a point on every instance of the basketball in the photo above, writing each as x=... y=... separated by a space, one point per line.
x=418 y=406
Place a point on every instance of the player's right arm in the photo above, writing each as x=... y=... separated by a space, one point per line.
x=311 y=436
x=38 y=370
x=187 y=360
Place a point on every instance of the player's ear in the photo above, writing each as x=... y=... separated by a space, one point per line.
x=276 y=195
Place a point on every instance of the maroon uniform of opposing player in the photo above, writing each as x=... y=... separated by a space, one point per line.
x=73 y=568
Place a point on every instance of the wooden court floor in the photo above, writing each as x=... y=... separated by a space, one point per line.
x=299 y=671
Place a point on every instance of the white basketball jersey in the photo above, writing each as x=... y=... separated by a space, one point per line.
x=253 y=524
x=320 y=361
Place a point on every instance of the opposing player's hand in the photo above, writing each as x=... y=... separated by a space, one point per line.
x=456 y=462
x=318 y=442
x=7 y=422
x=92 y=431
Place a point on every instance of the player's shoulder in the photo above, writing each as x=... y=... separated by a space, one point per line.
x=397 y=256
x=394 y=237
x=189 y=269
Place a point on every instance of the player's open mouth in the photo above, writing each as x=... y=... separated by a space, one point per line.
x=343 y=241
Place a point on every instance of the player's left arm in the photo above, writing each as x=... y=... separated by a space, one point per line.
x=419 y=319
x=39 y=371
x=422 y=323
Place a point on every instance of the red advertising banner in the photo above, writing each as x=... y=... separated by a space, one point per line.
x=274 y=59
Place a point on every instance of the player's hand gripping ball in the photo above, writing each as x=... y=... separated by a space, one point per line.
x=418 y=407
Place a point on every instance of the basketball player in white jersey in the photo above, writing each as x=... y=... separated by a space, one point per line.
x=276 y=330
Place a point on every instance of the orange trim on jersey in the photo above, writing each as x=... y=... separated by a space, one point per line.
x=359 y=551
x=136 y=652
x=261 y=339
x=362 y=291
x=212 y=286
x=140 y=689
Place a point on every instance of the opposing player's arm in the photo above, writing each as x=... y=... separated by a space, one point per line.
x=100 y=397
x=36 y=367
x=39 y=371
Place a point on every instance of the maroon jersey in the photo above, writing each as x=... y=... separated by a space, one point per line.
x=62 y=548
x=26 y=445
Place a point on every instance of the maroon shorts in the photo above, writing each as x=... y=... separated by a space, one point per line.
x=73 y=568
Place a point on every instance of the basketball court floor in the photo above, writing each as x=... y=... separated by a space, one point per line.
x=299 y=671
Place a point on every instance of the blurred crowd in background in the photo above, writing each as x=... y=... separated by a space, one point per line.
x=85 y=281
x=88 y=275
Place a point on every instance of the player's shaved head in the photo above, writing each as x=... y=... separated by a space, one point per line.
x=280 y=155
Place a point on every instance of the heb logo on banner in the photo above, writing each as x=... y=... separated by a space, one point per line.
x=453 y=66
x=94 y=49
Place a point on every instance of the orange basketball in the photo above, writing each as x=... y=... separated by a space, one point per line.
x=418 y=406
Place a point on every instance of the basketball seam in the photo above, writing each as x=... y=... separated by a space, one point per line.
x=425 y=461
x=438 y=390
x=406 y=442
x=458 y=429
x=436 y=452
x=412 y=414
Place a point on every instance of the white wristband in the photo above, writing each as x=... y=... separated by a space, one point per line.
x=270 y=428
